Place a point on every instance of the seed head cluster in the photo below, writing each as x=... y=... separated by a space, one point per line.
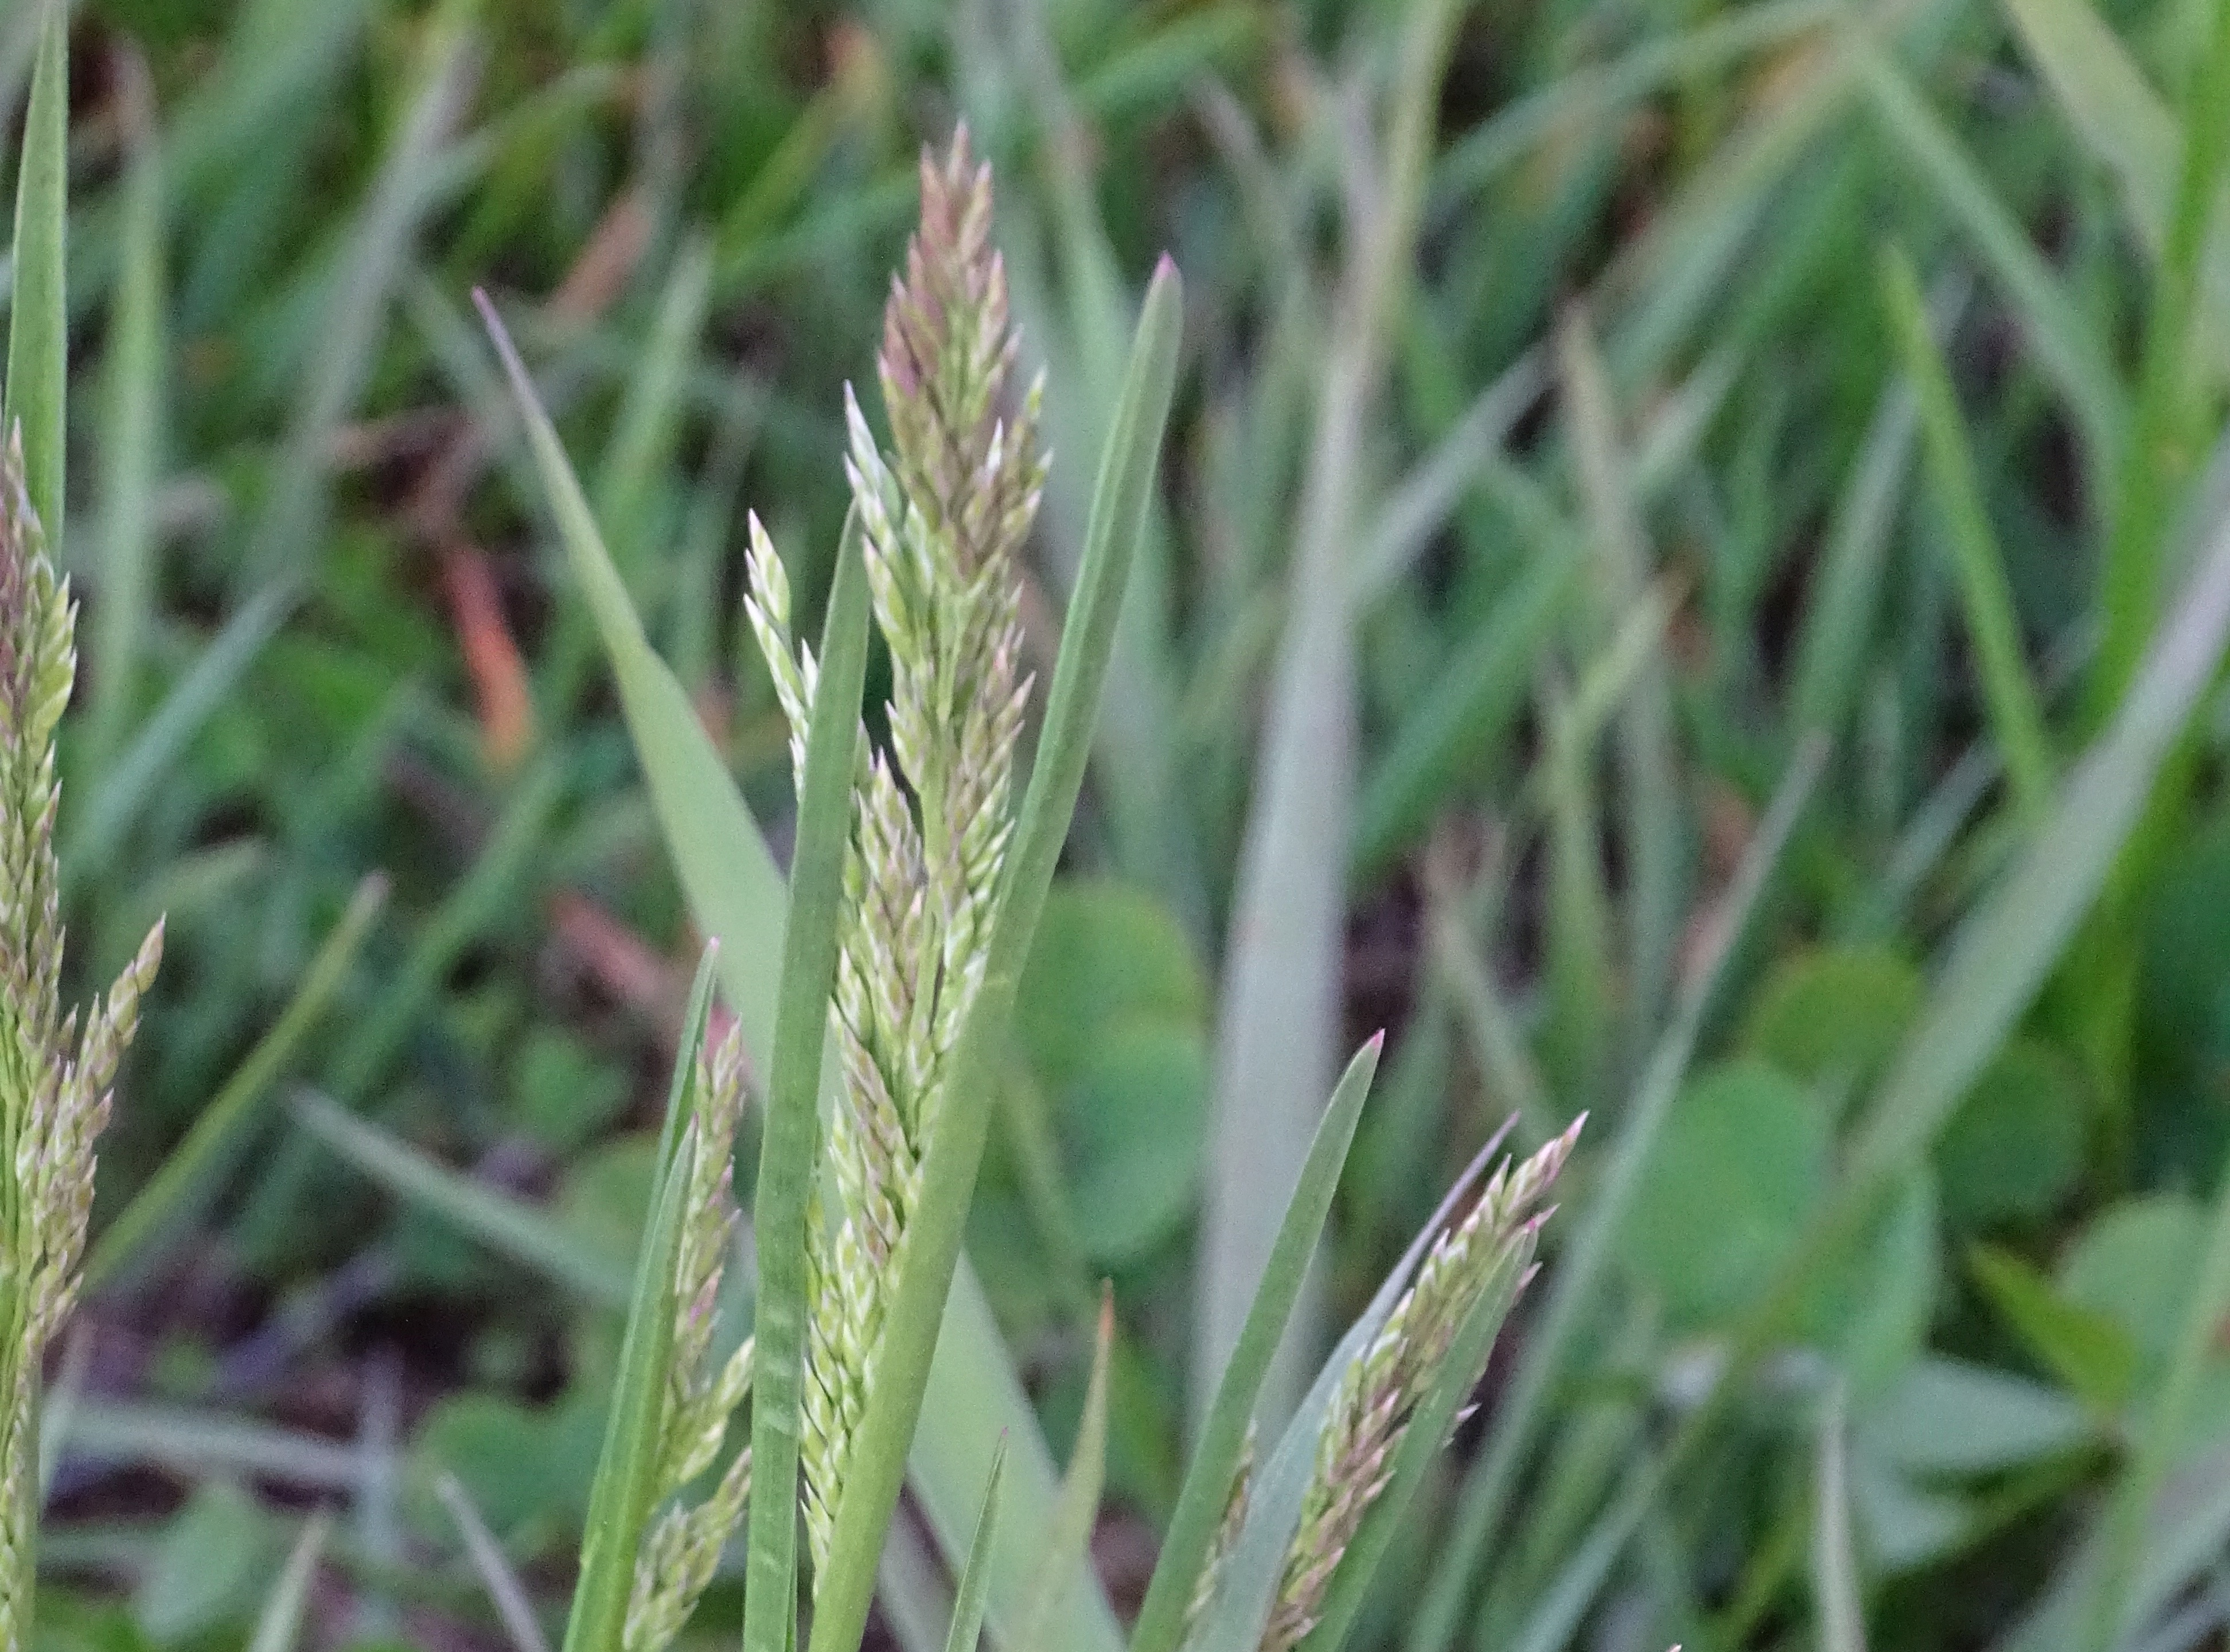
x=942 y=516
x=677 y=1554
x=1381 y=1389
x=54 y=1072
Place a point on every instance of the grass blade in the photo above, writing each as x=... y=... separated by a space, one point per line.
x=1834 y=1556
x=789 y=1149
x=968 y=1601
x=619 y=1497
x=502 y=1583
x=1066 y=1551
x=1222 y=1442
x=932 y=1247
x=280 y=1622
x=2011 y=697
x=188 y=1177
x=503 y=1223
x=38 y=316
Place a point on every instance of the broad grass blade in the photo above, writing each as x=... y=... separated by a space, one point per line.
x=38 y=315
x=789 y=1149
x=917 y=1304
x=1223 y=1441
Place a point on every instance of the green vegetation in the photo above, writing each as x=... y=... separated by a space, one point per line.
x=1675 y=558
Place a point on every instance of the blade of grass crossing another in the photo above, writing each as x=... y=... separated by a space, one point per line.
x=737 y=895
x=933 y=1244
x=279 y=1625
x=790 y=1148
x=38 y=316
x=627 y=1469
x=1223 y=1443
x=2007 y=689
x=968 y=1604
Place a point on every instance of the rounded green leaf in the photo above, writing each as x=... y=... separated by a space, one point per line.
x=2015 y=1147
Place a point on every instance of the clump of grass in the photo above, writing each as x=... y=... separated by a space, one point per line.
x=55 y=1070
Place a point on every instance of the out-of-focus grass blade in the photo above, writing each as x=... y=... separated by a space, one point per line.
x=1583 y=1266
x=132 y=434
x=974 y=1591
x=281 y=1622
x=2167 y=439
x=290 y=527
x=2003 y=952
x=626 y=1483
x=1839 y=618
x=2014 y=714
x=790 y=1148
x=1275 y=1049
x=1836 y=1600
x=1428 y=1432
x=38 y=314
x=1652 y=830
x=505 y=1223
x=199 y=1444
x=909 y=1335
x=2056 y=330
x=502 y=1583
x=216 y=1137
x=1222 y=1440
x=1066 y=1551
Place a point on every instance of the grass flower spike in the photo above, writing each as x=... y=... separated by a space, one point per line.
x=677 y=1554
x=942 y=516
x=1383 y=1384
x=55 y=1079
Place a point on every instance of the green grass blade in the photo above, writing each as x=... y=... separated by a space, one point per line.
x=2057 y=330
x=626 y=1483
x=497 y=1577
x=1428 y=1432
x=38 y=316
x=131 y=449
x=503 y=1223
x=1836 y=1599
x=1582 y=1266
x=1222 y=1442
x=188 y=1179
x=974 y=1591
x=1066 y=1552
x=789 y=1149
x=2007 y=689
x=932 y=1247
x=2168 y=434
x=279 y=1624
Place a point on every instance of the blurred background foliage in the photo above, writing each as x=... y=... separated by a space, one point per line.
x=1599 y=419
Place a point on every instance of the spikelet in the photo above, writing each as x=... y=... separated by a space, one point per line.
x=677 y=1554
x=1382 y=1384
x=942 y=516
x=1235 y=1505
x=55 y=1080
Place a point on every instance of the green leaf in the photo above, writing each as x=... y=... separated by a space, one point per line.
x=789 y=1149
x=1222 y=1440
x=38 y=316
x=2134 y=1264
x=1134 y=1126
x=969 y=1599
x=626 y=1485
x=1107 y=960
x=190 y=1174
x=2014 y=1148
x=1751 y=1146
x=1832 y=1015
x=2085 y=1348
x=933 y=1236
x=213 y=1556
x=1066 y=1550
x=1944 y=1417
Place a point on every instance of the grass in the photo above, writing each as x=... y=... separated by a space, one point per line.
x=1682 y=577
